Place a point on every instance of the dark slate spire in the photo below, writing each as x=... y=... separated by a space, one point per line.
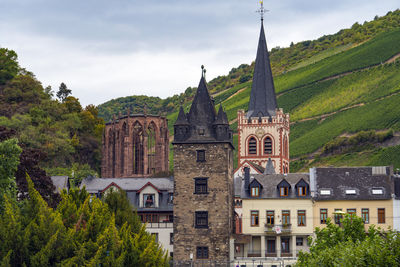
x=222 y=118
x=269 y=168
x=202 y=111
x=262 y=97
x=182 y=119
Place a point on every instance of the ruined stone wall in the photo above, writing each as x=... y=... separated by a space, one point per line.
x=125 y=150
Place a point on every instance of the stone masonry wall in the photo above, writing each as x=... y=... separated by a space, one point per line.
x=218 y=167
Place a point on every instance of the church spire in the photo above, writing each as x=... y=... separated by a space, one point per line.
x=262 y=98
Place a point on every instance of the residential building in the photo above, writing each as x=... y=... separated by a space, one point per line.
x=151 y=197
x=277 y=212
x=362 y=191
x=203 y=188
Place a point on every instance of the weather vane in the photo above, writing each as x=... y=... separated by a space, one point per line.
x=262 y=10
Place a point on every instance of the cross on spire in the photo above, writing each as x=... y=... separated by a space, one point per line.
x=262 y=10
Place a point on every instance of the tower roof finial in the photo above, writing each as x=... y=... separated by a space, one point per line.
x=262 y=10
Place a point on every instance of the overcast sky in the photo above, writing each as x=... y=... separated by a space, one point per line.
x=108 y=49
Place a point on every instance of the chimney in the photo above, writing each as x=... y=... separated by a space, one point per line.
x=246 y=178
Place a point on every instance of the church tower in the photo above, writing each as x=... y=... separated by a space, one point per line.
x=263 y=132
x=203 y=182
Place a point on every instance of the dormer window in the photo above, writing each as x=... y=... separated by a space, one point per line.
x=255 y=188
x=283 y=188
x=284 y=191
x=302 y=188
x=302 y=191
x=255 y=191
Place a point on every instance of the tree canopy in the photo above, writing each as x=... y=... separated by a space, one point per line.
x=350 y=245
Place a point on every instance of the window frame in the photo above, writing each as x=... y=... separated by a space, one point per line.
x=199 y=184
x=301 y=218
x=350 y=211
x=365 y=215
x=298 y=238
x=381 y=220
x=257 y=191
x=285 y=217
x=337 y=217
x=154 y=200
x=200 y=155
x=252 y=147
x=270 y=143
x=323 y=219
x=201 y=215
x=304 y=191
x=202 y=252
x=285 y=192
x=256 y=215
x=270 y=216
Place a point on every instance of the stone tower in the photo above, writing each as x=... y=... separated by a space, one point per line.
x=135 y=145
x=263 y=133
x=203 y=182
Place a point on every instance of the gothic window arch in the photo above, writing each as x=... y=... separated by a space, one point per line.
x=268 y=145
x=111 y=146
x=285 y=147
x=137 y=148
x=252 y=146
x=151 y=148
x=122 y=150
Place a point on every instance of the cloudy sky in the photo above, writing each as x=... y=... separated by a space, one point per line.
x=108 y=49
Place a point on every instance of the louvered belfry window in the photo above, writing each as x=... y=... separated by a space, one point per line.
x=268 y=146
x=252 y=146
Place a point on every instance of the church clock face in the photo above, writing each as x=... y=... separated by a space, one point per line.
x=260 y=132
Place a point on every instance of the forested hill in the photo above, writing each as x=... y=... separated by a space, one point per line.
x=341 y=90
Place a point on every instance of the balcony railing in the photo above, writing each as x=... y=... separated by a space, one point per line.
x=254 y=253
x=278 y=228
x=160 y=225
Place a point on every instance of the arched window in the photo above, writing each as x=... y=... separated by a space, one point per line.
x=137 y=148
x=151 y=148
x=285 y=147
x=252 y=146
x=268 y=146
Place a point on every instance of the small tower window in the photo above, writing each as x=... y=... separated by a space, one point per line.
x=268 y=146
x=252 y=146
x=201 y=155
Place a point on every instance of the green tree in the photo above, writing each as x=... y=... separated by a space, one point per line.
x=63 y=92
x=350 y=245
x=9 y=160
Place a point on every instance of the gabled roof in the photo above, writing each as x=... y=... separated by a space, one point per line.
x=146 y=185
x=360 y=180
x=270 y=184
x=262 y=98
x=284 y=183
x=255 y=183
x=302 y=183
x=110 y=185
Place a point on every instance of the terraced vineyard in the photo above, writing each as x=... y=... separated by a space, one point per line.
x=341 y=90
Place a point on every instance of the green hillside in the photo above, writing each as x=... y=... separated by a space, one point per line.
x=341 y=84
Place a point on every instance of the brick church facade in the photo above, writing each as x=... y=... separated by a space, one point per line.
x=135 y=145
x=263 y=132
